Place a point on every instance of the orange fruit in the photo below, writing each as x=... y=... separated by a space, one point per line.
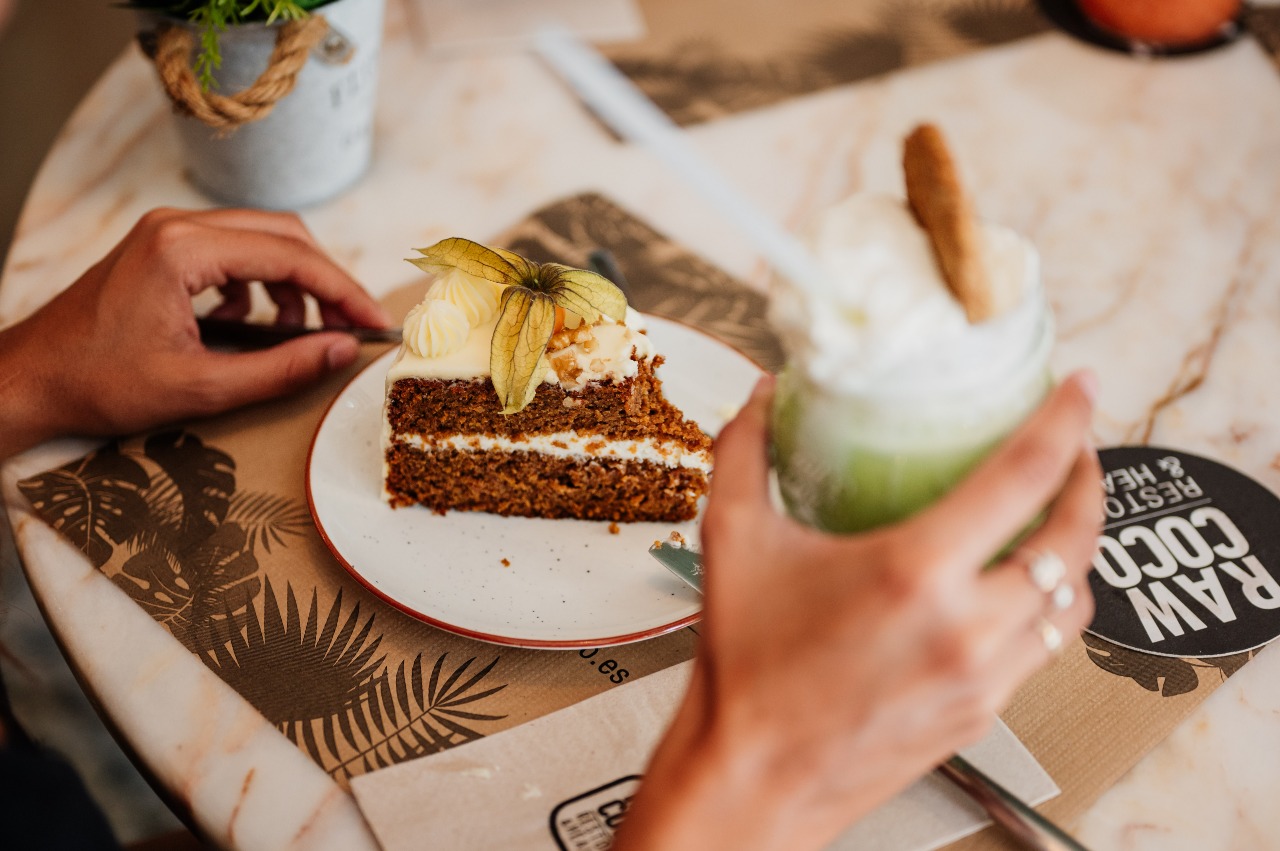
x=1170 y=22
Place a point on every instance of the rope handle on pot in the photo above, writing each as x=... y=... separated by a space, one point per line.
x=170 y=48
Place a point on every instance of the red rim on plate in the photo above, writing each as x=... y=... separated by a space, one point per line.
x=457 y=629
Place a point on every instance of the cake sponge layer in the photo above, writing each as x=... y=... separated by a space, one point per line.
x=530 y=484
x=632 y=409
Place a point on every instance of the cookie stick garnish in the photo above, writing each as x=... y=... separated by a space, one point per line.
x=943 y=208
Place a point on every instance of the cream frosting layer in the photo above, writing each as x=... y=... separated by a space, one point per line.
x=569 y=444
x=475 y=297
x=610 y=357
x=435 y=328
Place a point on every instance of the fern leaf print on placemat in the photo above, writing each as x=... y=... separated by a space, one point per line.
x=1168 y=675
x=665 y=278
x=165 y=522
x=354 y=714
x=696 y=69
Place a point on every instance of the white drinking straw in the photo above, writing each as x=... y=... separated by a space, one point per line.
x=621 y=105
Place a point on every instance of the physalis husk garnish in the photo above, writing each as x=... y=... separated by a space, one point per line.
x=527 y=312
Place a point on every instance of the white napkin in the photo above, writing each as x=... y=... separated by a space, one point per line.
x=563 y=782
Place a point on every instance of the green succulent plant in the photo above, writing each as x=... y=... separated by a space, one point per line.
x=213 y=17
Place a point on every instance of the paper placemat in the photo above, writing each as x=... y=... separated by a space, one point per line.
x=206 y=527
x=565 y=781
x=705 y=60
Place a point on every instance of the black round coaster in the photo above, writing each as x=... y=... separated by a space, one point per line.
x=1066 y=15
x=1188 y=563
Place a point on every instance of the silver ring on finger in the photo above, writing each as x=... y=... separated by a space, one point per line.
x=1061 y=598
x=1050 y=636
x=1048 y=572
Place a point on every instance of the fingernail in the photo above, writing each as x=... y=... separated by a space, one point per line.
x=342 y=353
x=1087 y=381
x=386 y=318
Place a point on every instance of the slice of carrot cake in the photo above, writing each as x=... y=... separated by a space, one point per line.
x=531 y=389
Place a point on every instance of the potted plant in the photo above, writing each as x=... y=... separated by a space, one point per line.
x=274 y=98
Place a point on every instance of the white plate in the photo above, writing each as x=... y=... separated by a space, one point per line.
x=570 y=583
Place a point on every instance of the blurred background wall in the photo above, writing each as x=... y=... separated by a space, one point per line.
x=51 y=52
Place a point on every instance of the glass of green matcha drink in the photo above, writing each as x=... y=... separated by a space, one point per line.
x=891 y=395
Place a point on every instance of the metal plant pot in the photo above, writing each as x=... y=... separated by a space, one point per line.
x=313 y=143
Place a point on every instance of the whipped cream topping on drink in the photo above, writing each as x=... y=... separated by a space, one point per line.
x=881 y=320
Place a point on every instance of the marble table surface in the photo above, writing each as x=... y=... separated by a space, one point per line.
x=1151 y=188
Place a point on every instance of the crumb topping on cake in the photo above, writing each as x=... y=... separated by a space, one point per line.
x=599 y=352
x=536 y=301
